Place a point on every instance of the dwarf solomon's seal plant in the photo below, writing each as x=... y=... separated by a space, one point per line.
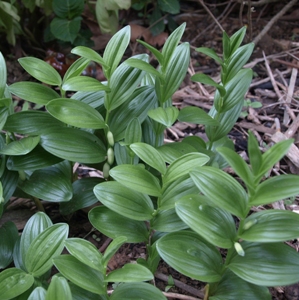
x=174 y=197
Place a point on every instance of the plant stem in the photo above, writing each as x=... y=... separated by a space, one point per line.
x=38 y=204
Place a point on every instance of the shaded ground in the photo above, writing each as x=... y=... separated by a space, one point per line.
x=280 y=45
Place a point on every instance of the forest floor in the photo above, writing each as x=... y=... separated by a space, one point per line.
x=275 y=63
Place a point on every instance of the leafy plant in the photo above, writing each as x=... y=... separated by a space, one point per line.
x=174 y=198
x=247 y=104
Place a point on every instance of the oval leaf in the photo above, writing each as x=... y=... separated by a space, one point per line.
x=84 y=84
x=196 y=115
x=58 y=289
x=21 y=147
x=166 y=116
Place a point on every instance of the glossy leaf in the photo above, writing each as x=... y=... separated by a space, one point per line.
x=114 y=225
x=270 y=226
x=221 y=189
x=33 y=92
x=113 y=248
x=83 y=195
x=166 y=116
x=32 y=122
x=205 y=79
x=3 y=75
x=133 y=133
x=74 y=145
x=40 y=70
x=137 y=290
x=254 y=153
x=38 y=158
x=9 y=236
x=196 y=115
x=130 y=273
x=75 y=113
x=142 y=65
x=123 y=82
x=115 y=50
x=86 y=252
x=184 y=165
x=237 y=38
x=80 y=274
x=58 y=289
x=94 y=99
x=167 y=221
x=79 y=293
x=238 y=164
x=49 y=184
x=211 y=53
x=13 y=282
x=124 y=201
x=84 y=84
x=39 y=293
x=34 y=227
x=232 y=287
x=9 y=180
x=186 y=252
x=276 y=188
x=212 y=223
x=137 y=178
x=48 y=244
x=21 y=147
x=176 y=190
x=76 y=68
x=271 y=264
x=150 y=156
x=89 y=54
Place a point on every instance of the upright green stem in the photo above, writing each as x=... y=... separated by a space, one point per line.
x=38 y=204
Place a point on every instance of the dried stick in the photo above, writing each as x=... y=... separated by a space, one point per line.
x=258 y=3
x=273 y=20
x=179 y=296
x=210 y=13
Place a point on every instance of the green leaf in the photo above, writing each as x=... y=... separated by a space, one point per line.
x=169 y=6
x=226 y=46
x=74 y=145
x=167 y=221
x=83 y=195
x=150 y=156
x=58 y=289
x=40 y=70
x=34 y=227
x=137 y=290
x=114 y=225
x=49 y=184
x=86 y=252
x=171 y=45
x=153 y=50
x=222 y=189
x=3 y=75
x=137 y=178
x=48 y=244
x=137 y=105
x=270 y=226
x=212 y=223
x=271 y=264
x=14 y=282
x=65 y=29
x=9 y=236
x=232 y=287
x=176 y=70
x=176 y=190
x=166 y=116
x=156 y=22
x=130 y=273
x=113 y=248
x=211 y=53
x=276 y=188
x=186 y=252
x=124 y=201
x=115 y=50
x=84 y=84
x=123 y=82
x=196 y=115
x=9 y=180
x=238 y=164
x=32 y=122
x=76 y=68
x=184 y=165
x=142 y=65
x=80 y=274
x=67 y=9
x=133 y=133
x=38 y=158
x=39 y=293
x=33 y=92
x=236 y=39
x=21 y=147
x=272 y=156
x=75 y=113
x=89 y=54
x=205 y=79
x=94 y=99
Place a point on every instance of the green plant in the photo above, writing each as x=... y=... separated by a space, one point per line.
x=174 y=197
x=248 y=103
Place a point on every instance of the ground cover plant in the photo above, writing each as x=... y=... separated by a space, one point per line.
x=174 y=197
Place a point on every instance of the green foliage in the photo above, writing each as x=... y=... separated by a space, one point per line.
x=175 y=198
